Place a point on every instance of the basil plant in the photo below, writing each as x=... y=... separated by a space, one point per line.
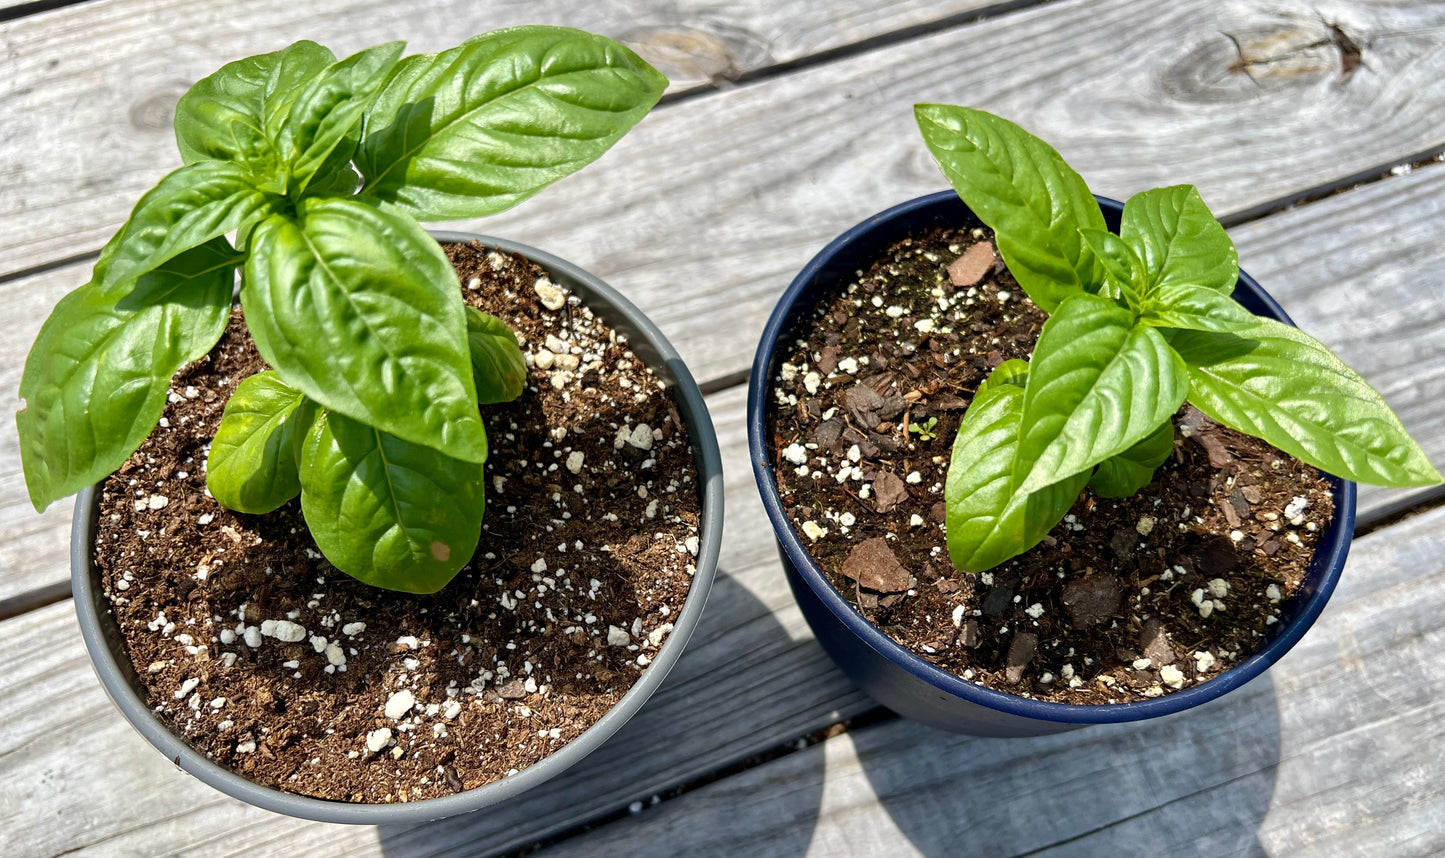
x=321 y=168
x=1139 y=323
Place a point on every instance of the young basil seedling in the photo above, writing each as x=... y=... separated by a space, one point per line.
x=926 y=431
x=1140 y=322
x=321 y=169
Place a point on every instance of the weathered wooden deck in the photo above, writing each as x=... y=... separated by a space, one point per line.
x=1311 y=127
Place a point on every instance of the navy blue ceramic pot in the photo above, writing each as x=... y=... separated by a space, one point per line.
x=891 y=674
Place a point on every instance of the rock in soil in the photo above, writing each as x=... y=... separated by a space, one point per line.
x=873 y=565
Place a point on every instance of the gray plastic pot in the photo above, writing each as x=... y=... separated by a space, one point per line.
x=107 y=651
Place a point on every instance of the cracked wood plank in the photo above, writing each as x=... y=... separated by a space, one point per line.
x=807 y=153
x=90 y=89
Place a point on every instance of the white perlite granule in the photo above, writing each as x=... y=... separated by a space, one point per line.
x=399 y=704
x=551 y=297
x=283 y=630
x=377 y=739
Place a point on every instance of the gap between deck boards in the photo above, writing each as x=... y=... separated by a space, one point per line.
x=1368 y=522
x=867 y=718
x=881 y=41
x=719 y=83
x=854 y=49
x=35 y=7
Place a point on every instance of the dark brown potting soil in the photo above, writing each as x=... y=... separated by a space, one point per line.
x=273 y=663
x=1124 y=599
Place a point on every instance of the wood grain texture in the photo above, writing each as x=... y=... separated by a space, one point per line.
x=89 y=91
x=1335 y=752
x=719 y=200
x=702 y=216
x=752 y=678
x=34 y=547
x=769 y=174
x=1359 y=270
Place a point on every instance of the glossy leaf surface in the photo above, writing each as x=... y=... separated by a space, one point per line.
x=359 y=309
x=96 y=379
x=190 y=207
x=388 y=512
x=252 y=466
x=1277 y=383
x=1123 y=271
x=475 y=130
x=319 y=116
x=1022 y=189
x=1122 y=475
x=498 y=368
x=1179 y=241
x=224 y=116
x=1195 y=308
x=989 y=518
x=1097 y=385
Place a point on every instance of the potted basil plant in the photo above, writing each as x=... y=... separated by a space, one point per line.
x=351 y=376
x=1102 y=372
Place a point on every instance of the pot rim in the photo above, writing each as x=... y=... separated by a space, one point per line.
x=1331 y=552
x=99 y=631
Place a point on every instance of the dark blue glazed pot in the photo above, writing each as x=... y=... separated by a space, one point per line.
x=891 y=674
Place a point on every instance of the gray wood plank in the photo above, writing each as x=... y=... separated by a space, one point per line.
x=90 y=89
x=1378 y=298
x=34 y=547
x=1336 y=751
x=708 y=210
x=752 y=678
x=721 y=199
x=1361 y=272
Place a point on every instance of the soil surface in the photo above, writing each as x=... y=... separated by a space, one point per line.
x=273 y=663
x=1124 y=600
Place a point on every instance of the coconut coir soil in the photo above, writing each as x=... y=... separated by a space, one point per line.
x=273 y=663
x=1124 y=599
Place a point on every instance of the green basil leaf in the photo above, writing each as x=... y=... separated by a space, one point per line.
x=1013 y=372
x=320 y=115
x=224 y=117
x=498 y=368
x=1280 y=384
x=477 y=129
x=359 y=309
x=1195 y=308
x=1098 y=384
x=95 y=382
x=1179 y=241
x=1124 y=273
x=1125 y=474
x=989 y=519
x=390 y=513
x=336 y=177
x=252 y=466
x=191 y=206
x=1022 y=188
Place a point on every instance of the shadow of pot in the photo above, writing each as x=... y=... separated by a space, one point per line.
x=104 y=641
x=891 y=674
